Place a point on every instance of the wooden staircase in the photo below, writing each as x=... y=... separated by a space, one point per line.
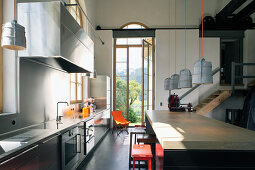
x=251 y=84
x=212 y=101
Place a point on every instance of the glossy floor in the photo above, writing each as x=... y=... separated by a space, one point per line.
x=111 y=154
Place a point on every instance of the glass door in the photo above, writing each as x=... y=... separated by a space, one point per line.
x=133 y=78
x=121 y=80
x=148 y=77
x=135 y=85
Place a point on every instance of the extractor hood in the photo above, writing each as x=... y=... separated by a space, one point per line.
x=54 y=37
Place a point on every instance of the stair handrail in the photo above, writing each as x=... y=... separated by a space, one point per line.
x=216 y=70
x=233 y=73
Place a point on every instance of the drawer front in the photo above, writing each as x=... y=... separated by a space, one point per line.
x=90 y=144
x=89 y=129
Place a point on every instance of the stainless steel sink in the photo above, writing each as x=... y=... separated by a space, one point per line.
x=16 y=141
x=6 y=145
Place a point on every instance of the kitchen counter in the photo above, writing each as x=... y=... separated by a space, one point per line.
x=185 y=130
x=21 y=139
x=191 y=141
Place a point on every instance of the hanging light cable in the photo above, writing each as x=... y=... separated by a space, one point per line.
x=175 y=79
x=13 y=35
x=185 y=75
x=202 y=68
x=167 y=80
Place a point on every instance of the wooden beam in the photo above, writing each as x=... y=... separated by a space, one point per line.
x=247 y=11
x=229 y=9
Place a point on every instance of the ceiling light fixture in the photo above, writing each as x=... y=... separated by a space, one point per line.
x=202 y=69
x=13 y=34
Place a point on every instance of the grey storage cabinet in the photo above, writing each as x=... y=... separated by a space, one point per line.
x=28 y=159
x=49 y=153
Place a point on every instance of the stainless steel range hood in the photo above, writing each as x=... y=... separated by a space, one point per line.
x=54 y=37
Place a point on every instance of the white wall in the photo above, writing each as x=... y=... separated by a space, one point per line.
x=104 y=56
x=90 y=10
x=104 y=53
x=212 y=54
x=162 y=62
x=9 y=67
x=153 y=13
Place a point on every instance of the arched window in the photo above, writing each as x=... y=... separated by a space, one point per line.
x=130 y=41
x=133 y=25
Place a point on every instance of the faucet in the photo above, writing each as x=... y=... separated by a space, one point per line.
x=58 y=119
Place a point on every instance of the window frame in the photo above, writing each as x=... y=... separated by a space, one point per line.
x=77 y=12
x=76 y=88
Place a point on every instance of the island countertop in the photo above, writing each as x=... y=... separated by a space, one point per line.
x=190 y=131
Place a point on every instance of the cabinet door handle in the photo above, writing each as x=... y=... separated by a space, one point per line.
x=50 y=139
x=90 y=139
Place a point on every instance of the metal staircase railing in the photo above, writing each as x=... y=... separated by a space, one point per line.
x=234 y=76
x=196 y=86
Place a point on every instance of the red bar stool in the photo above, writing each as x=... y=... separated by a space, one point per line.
x=141 y=153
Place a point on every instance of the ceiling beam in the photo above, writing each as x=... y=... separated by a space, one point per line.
x=247 y=11
x=229 y=9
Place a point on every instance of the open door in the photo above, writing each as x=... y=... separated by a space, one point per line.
x=148 y=78
x=231 y=51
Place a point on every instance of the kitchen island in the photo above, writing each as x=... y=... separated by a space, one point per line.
x=191 y=141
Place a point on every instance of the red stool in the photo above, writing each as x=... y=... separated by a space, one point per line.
x=159 y=157
x=141 y=153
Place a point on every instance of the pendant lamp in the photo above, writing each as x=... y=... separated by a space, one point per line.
x=185 y=74
x=185 y=78
x=202 y=69
x=167 y=84
x=174 y=82
x=202 y=72
x=13 y=35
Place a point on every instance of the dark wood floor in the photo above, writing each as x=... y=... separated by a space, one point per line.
x=111 y=154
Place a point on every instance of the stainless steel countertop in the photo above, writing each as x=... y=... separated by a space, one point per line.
x=18 y=140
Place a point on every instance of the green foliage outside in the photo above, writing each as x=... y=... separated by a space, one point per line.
x=133 y=118
x=121 y=98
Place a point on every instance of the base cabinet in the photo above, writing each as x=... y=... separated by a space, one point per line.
x=28 y=160
x=49 y=154
x=102 y=124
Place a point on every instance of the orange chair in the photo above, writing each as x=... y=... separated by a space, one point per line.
x=120 y=122
x=143 y=153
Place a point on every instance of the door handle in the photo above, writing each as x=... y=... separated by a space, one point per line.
x=78 y=144
x=90 y=139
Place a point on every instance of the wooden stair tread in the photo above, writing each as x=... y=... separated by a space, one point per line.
x=212 y=101
x=252 y=83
